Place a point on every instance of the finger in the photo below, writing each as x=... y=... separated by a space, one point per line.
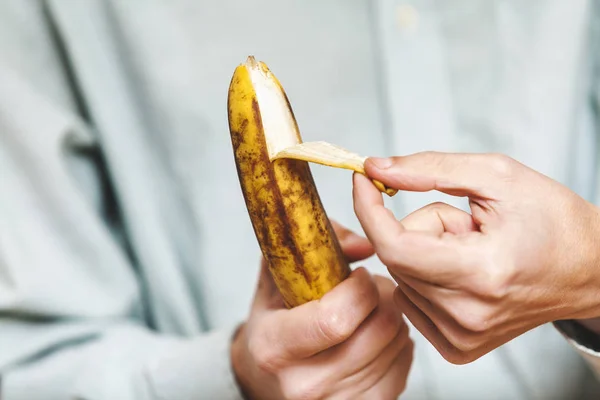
x=266 y=294
x=478 y=175
x=294 y=334
x=444 y=260
x=372 y=374
x=455 y=343
x=438 y=218
x=458 y=321
x=328 y=376
x=458 y=336
x=379 y=223
x=371 y=338
x=422 y=255
x=393 y=383
x=355 y=247
x=428 y=329
x=354 y=362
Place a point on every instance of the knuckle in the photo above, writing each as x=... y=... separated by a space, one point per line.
x=264 y=356
x=335 y=326
x=388 y=322
x=494 y=275
x=434 y=159
x=496 y=289
x=501 y=165
x=307 y=388
x=387 y=250
x=364 y=298
x=336 y=320
x=431 y=155
x=385 y=254
x=455 y=357
x=452 y=350
x=493 y=284
x=467 y=343
x=474 y=317
x=462 y=358
x=385 y=286
x=474 y=322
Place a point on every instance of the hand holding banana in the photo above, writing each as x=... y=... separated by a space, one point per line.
x=351 y=344
x=316 y=329
x=527 y=254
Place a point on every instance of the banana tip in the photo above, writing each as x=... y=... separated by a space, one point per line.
x=251 y=61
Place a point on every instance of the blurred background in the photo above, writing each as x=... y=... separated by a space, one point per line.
x=119 y=197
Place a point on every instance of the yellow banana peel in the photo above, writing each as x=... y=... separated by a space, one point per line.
x=295 y=236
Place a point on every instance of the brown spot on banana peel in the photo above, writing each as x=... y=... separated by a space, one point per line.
x=293 y=231
x=288 y=240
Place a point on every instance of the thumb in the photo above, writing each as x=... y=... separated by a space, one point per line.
x=266 y=294
x=457 y=174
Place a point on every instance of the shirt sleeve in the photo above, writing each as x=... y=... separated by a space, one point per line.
x=116 y=361
x=585 y=342
x=71 y=300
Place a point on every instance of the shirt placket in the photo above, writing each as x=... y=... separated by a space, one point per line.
x=415 y=85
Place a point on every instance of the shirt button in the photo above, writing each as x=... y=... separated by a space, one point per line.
x=407 y=18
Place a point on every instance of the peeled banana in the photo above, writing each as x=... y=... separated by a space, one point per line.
x=290 y=224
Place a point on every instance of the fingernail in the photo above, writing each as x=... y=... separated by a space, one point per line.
x=381 y=163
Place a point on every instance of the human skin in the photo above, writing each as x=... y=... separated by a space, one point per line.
x=527 y=254
x=352 y=343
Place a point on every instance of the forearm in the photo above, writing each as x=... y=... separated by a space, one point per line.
x=124 y=362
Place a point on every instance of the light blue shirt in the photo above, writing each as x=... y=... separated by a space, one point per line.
x=127 y=256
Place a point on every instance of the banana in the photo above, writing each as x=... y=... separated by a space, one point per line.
x=295 y=236
x=332 y=156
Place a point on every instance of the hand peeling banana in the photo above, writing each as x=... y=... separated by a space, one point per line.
x=330 y=155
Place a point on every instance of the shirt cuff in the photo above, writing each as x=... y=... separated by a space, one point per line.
x=586 y=342
x=199 y=368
